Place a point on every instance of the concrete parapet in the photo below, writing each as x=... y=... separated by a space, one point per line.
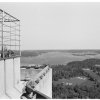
x=10 y=78
x=43 y=82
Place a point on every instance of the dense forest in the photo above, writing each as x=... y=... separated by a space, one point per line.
x=73 y=69
x=64 y=91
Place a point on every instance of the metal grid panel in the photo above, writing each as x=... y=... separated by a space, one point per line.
x=9 y=35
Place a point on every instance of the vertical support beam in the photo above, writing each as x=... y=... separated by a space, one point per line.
x=2 y=36
x=13 y=73
x=19 y=40
x=15 y=37
x=5 y=76
x=10 y=34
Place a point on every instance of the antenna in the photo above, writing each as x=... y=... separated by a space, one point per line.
x=9 y=35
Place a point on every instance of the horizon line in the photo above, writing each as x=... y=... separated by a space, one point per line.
x=59 y=49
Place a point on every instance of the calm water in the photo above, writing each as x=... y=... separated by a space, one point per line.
x=54 y=58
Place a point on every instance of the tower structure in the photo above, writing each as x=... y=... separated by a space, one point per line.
x=9 y=33
x=11 y=85
x=9 y=56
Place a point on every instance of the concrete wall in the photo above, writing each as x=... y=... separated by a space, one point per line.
x=17 y=73
x=9 y=74
x=10 y=78
x=2 y=85
x=45 y=84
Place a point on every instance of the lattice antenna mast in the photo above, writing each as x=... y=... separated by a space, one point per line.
x=10 y=34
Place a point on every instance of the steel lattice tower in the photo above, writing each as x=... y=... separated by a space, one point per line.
x=9 y=33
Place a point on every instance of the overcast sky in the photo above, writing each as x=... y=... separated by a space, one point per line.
x=57 y=25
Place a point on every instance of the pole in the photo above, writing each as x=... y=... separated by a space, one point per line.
x=2 y=51
x=19 y=40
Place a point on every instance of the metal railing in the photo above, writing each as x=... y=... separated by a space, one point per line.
x=38 y=77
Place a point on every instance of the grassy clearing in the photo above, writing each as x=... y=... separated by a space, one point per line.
x=74 y=81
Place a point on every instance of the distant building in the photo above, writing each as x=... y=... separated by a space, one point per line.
x=97 y=65
x=83 y=78
x=68 y=83
x=86 y=69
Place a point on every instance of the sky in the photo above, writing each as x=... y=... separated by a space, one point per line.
x=57 y=25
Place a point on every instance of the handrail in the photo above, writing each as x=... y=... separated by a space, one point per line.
x=33 y=81
x=38 y=76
